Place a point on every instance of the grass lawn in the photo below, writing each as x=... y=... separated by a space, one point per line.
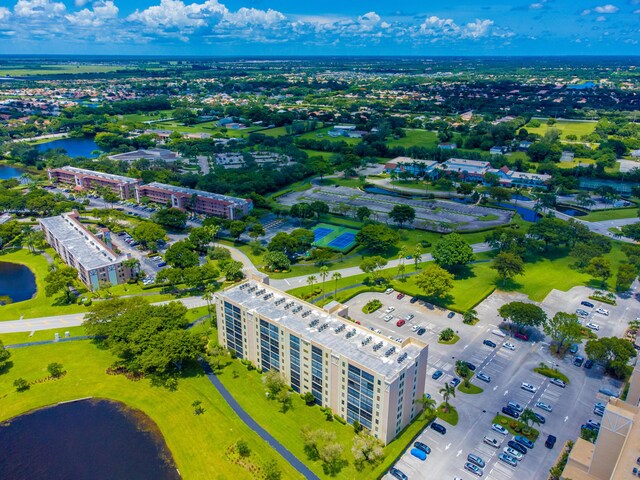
x=197 y=443
x=322 y=134
x=548 y=372
x=576 y=162
x=343 y=182
x=450 y=416
x=317 y=153
x=415 y=138
x=516 y=428
x=472 y=390
x=616 y=214
x=248 y=390
x=275 y=132
x=57 y=69
x=566 y=128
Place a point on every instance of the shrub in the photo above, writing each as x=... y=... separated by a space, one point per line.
x=56 y=370
x=21 y=384
x=339 y=419
x=446 y=334
x=372 y=306
x=243 y=448
x=309 y=399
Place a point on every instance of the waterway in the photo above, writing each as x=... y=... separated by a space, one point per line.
x=75 y=147
x=7 y=172
x=17 y=282
x=84 y=440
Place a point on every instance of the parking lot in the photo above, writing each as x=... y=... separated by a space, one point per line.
x=508 y=369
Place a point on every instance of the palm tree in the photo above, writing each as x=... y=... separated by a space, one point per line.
x=634 y=325
x=336 y=276
x=417 y=255
x=529 y=417
x=324 y=273
x=470 y=316
x=463 y=371
x=28 y=239
x=208 y=297
x=133 y=264
x=401 y=270
x=447 y=392
x=427 y=403
x=311 y=280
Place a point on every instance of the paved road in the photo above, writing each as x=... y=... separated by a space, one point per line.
x=74 y=319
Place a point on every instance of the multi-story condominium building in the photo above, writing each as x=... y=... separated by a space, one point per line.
x=80 y=178
x=360 y=375
x=195 y=200
x=95 y=261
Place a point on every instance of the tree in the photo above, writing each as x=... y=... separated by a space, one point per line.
x=632 y=231
x=599 y=267
x=446 y=335
x=470 y=316
x=21 y=384
x=614 y=353
x=311 y=280
x=276 y=261
x=564 y=329
x=324 y=273
x=552 y=231
x=60 y=279
x=401 y=214
x=319 y=208
x=434 y=281
x=373 y=265
x=463 y=372
x=243 y=448
x=201 y=237
x=172 y=218
x=302 y=211
x=427 y=404
x=335 y=277
x=376 y=237
x=237 y=228
x=271 y=471
x=132 y=264
x=523 y=314
x=4 y=357
x=363 y=213
x=627 y=273
x=507 y=240
x=499 y=194
x=321 y=444
x=256 y=230
x=56 y=370
x=233 y=271
x=181 y=255
x=452 y=251
x=448 y=391
x=508 y=265
x=148 y=234
x=528 y=417
x=367 y=449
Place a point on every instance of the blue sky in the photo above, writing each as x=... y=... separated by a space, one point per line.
x=327 y=27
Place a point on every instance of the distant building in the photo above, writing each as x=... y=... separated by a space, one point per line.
x=411 y=166
x=150 y=154
x=510 y=178
x=163 y=134
x=524 y=145
x=635 y=153
x=567 y=156
x=224 y=121
x=197 y=136
x=473 y=170
x=92 y=256
x=447 y=146
x=498 y=150
x=361 y=376
x=342 y=130
x=82 y=179
x=195 y=200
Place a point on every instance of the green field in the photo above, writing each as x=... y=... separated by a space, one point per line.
x=578 y=128
x=57 y=69
x=617 y=214
x=317 y=153
x=321 y=134
x=415 y=138
x=197 y=442
x=275 y=132
x=576 y=162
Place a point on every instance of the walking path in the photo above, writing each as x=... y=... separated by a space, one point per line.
x=253 y=425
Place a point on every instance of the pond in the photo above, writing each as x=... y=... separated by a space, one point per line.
x=527 y=214
x=75 y=147
x=7 y=172
x=574 y=212
x=384 y=191
x=84 y=440
x=16 y=282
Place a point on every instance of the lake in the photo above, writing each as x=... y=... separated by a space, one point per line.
x=16 y=282
x=84 y=440
x=7 y=172
x=75 y=147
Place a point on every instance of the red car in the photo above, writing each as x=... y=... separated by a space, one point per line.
x=400 y=296
x=521 y=336
x=400 y=323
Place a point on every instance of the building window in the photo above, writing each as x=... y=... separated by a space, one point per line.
x=316 y=373
x=233 y=324
x=294 y=362
x=269 y=346
x=360 y=396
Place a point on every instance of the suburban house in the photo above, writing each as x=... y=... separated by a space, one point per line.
x=341 y=130
x=510 y=178
x=524 y=145
x=411 y=166
x=498 y=150
x=447 y=146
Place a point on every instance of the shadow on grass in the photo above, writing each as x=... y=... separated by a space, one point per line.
x=5 y=367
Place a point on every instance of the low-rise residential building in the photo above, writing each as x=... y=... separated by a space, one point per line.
x=82 y=179
x=447 y=146
x=475 y=171
x=93 y=257
x=498 y=150
x=412 y=166
x=510 y=178
x=195 y=200
x=360 y=375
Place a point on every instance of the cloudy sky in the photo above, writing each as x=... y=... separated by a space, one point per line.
x=303 y=27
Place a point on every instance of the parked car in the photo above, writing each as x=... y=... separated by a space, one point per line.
x=496 y=427
x=389 y=291
x=608 y=392
x=582 y=313
x=400 y=296
x=517 y=446
x=573 y=349
x=587 y=304
x=508 y=459
x=473 y=469
x=394 y=472
x=451 y=314
x=455 y=382
x=588 y=364
x=421 y=331
x=528 y=387
x=602 y=311
x=416 y=452
x=413 y=300
x=516 y=406
x=540 y=418
x=387 y=318
x=400 y=323
x=491 y=441
x=437 y=374
x=524 y=441
x=550 y=441
x=422 y=446
x=510 y=412
x=162 y=264
x=438 y=428
x=389 y=309
x=509 y=346
x=514 y=453
x=544 y=406
x=578 y=361
x=558 y=382
x=499 y=333
x=469 y=365
x=489 y=343
x=522 y=336
x=593 y=326
x=476 y=460
x=484 y=377
x=593 y=424
x=409 y=317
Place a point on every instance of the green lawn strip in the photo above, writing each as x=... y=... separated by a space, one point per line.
x=343 y=182
x=86 y=364
x=41 y=335
x=550 y=373
x=322 y=134
x=472 y=390
x=516 y=428
x=415 y=137
x=615 y=214
x=247 y=388
x=566 y=128
x=450 y=416
x=317 y=153
x=452 y=341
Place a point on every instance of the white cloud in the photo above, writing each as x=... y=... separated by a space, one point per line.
x=477 y=29
x=252 y=16
x=606 y=9
x=440 y=28
x=601 y=18
x=536 y=6
x=80 y=3
x=586 y=12
x=175 y=14
x=636 y=11
x=5 y=13
x=38 y=8
x=102 y=11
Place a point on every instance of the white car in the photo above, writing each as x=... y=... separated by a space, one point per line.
x=602 y=311
x=509 y=346
x=593 y=326
x=389 y=309
x=388 y=317
x=558 y=382
x=491 y=441
x=528 y=387
x=513 y=452
x=499 y=428
x=484 y=377
x=389 y=291
x=544 y=406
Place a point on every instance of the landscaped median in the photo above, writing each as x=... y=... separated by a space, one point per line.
x=471 y=389
x=448 y=414
x=517 y=428
x=551 y=373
